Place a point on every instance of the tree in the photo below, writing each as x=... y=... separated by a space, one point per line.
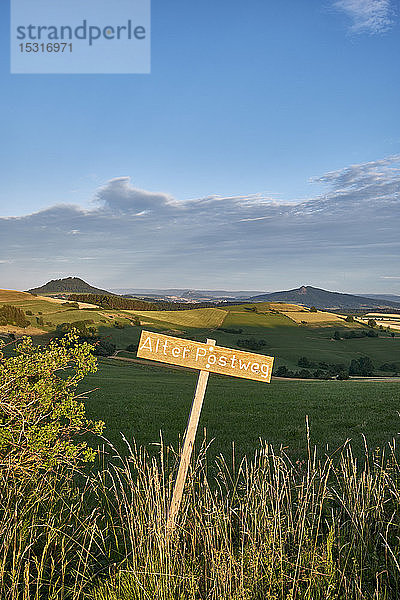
x=361 y=366
x=12 y=315
x=313 y=309
x=349 y=319
x=304 y=362
x=336 y=336
x=41 y=417
x=371 y=323
x=342 y=375
x=283 y=371
x=304 y=374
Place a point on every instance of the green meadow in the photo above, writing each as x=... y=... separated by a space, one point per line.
x=285 y=339
x=140 y=401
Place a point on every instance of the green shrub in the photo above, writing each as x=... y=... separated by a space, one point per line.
x=40 y=415
x=251 y=344
x=132 y=348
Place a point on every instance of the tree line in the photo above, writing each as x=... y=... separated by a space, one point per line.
x=119 y=303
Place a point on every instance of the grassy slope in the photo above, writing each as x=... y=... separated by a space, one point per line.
x=288 y=341
x=200 y=317
x=285 y=339
x=55 y=312
x=141 y=400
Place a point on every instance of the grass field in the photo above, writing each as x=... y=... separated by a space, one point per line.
x=200 y=317
x=317 y=318
x=140 y=401
x=275 y=323
x=56 y=311
x=13 y=296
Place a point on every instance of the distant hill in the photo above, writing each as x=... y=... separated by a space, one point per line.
x=68 y=285
x=323 y=299
x=189 y=294
x=218 y=294
x=390 y=297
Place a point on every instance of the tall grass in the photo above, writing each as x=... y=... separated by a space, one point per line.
x=261 y=528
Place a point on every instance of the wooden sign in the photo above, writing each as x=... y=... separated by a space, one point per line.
x=208 y=358
x=205 y=357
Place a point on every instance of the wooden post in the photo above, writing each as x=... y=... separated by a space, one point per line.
x=187 y=448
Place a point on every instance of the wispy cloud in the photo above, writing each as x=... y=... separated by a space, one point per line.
x=367 y=16
x=138 y=238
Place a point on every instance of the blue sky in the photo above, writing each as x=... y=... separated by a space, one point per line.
x=227 y=144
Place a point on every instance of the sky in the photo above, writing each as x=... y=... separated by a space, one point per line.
x=262 y=152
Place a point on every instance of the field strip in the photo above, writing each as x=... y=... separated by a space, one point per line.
x=197 y=317
x=22 y=330
x=151 y=363
x=61 y=301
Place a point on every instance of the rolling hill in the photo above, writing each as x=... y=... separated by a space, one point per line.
x=390 y=297
x=68 y=285
x=323 y=299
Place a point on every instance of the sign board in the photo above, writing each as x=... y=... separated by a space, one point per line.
x=205 y=357
x=208 y=358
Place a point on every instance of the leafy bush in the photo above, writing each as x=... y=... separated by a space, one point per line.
x=132 y=348
x=102 y=347
x=82 y=327
x=40 y=415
